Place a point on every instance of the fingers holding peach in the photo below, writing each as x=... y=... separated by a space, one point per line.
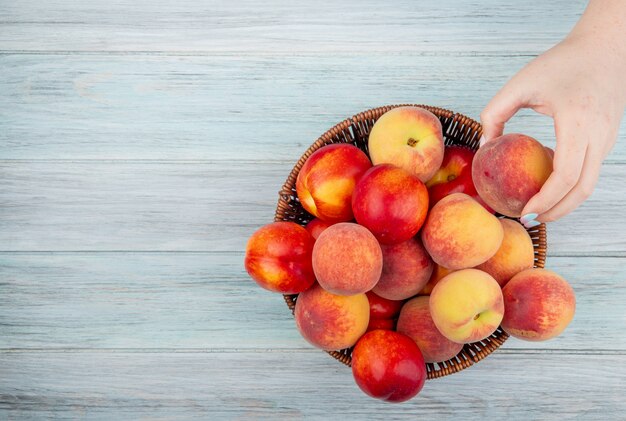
x=509 y=170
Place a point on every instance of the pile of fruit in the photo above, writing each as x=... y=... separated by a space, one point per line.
x=405 y=259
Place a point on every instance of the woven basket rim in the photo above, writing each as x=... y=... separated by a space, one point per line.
x=455 y=125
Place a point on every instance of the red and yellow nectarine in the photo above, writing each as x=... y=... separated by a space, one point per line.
x=278 y=258
x=326 y=181
x=391 y=203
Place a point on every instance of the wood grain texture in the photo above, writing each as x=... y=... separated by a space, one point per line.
x=220 y=107
x=208 y=206
x=279 y=26
x=281 y=385
x=207 y=301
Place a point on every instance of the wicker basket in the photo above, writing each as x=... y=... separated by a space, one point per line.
x=457 y=130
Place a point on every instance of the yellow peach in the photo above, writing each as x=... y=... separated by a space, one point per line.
x=514 y=255
x=459 y=233
x=467 y=305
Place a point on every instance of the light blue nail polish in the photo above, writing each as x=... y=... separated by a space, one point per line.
x=532 y=223
x=528 y=217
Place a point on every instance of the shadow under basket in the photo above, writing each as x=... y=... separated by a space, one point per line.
x=457 y=130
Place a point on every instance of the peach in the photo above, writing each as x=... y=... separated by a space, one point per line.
x=459 y=233
x=416 y=322
x=406 y=270
x=278 y=258
x=391 y=203
x=329 y=321
x=467 y=305
x=326 y=181
x=347 y=259
x=410 y=138
x=316 y=226
x=538 y=305
x=438 y=273
x=388 y=366
x=509 y=170
x=514 y=255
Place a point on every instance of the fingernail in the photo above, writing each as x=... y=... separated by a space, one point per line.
x=528 y=217
x=532 y=223
x=481 y=141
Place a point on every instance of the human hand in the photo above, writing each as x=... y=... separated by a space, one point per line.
x=581 y=85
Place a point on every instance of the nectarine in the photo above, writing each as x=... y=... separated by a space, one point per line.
x=278 y=258
x=326 y=181
x=391 y=203
x=388 y=365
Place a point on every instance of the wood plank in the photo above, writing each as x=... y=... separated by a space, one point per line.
x=207 y=301
x=207 y=206
x=228 y=107
x=285 y=27
x=299 y=386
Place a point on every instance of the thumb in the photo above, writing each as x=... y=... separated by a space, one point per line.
x=499 y=110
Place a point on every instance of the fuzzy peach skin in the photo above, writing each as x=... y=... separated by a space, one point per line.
x=416 y=322
x=278 y=258
x=347 y=259
x=438 y=273
x=389 y=366
x=514 y=255
x=459 y=233
x=539 y=305
x=326 y=181
x=391 y=203
x=316 y=226
x=509 y=170
x=410 y=138
x=329 y=321
x=467 y=305
x=406 y=270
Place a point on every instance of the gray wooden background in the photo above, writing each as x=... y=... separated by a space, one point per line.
x=142 y=142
